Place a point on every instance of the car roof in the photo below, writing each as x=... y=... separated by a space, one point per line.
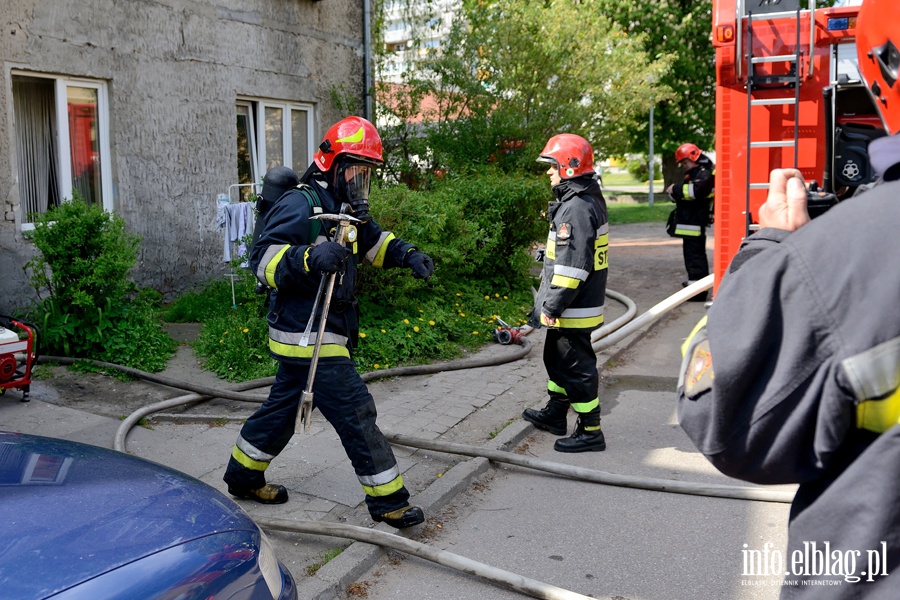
x=71 y=511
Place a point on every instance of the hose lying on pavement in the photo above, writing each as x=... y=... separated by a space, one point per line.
x=519 y=583
x=630 y=481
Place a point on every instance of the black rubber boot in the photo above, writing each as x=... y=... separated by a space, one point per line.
x=587 y=437
x=267 y=494
x=551 y=418
x=402 y=518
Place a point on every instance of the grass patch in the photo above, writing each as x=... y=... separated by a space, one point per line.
x=326 y=558
x=622 y=214
x=614 y=179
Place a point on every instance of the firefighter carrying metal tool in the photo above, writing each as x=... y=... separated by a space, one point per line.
x=572 y=293
x=794 y=375
x=693 y=205
x=293 y=254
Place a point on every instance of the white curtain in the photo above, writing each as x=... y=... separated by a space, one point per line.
x=34 y=108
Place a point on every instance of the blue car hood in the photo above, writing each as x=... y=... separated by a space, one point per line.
x=70 y=511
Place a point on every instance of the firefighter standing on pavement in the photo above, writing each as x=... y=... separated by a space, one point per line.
x=794 y=377
x=693 y=201
x=292 y=255
x=572 y=293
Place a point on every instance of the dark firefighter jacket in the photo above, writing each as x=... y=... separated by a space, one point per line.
x=693 y=199
x=573 y=284
x=277 y=259
x=795 y=378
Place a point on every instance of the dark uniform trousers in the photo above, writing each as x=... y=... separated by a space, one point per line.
x=343 y=399
x=695 y=261
x=571 y=365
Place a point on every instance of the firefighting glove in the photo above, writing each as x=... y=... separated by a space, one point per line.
x=325 y=257
x=420 y=263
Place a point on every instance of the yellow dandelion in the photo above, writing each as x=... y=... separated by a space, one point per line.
x=487 y=297
x=226 y=333
x=377 y=366
x=421 y=311
x=246 y=329
x=406 y=321
x=221 y=341
x=474 y=333
x=383 y=331
x=462 y=314
x=496 y=295
x=458 y=294
x=506 y=297
x=431 y=322
x=362 y=335
x=416 y=328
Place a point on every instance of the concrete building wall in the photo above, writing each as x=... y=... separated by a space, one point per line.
x=174 y=70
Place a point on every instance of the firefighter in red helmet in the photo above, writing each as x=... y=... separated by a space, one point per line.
x=572 y=293
x=794 y=376
x=291 y=256
x=693 y=204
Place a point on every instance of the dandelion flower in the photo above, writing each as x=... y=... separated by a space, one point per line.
x=377 y=366
x=506 y=297
x=406 y=321
x=474 y=333
x=487 y=297
x=246 y=329
x=431 y=322
x=459 y=293
x=383 y=331
x=362 y=335
x=496 y=295
x=462 y=314
x=416 y=328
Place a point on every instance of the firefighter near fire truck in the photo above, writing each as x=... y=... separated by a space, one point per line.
x=571 y=296
x=693 y=198
x=310 y=268
x=793 y=375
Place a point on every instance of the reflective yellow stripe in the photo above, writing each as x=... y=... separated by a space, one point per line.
x=378 y=261
x=687 y=342
x=879 y=415
x=272 y=265
x=325 y=350
x=253 y=465
x=554 y=387
x=550 y=251
x=579 y=323
x=356 y=137
x=566 y=282
x=688 y=230
x=586 y=407
x=385 y=489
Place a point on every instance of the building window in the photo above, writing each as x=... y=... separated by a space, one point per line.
x=271 y=133
x=62 y=142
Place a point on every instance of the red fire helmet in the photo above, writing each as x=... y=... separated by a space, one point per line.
x=689 y=151
x=571 y=153
x=352 y=136
x=878 y=49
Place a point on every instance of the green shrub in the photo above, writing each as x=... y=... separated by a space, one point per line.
x=639 y=168
x=89 y=307
x=479 y=230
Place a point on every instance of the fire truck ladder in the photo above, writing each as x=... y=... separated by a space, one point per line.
x=787 y=82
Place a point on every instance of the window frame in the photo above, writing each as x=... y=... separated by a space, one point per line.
x=256 y=110
x=61 y=83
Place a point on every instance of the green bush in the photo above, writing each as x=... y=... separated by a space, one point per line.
x=479 y=230
x=89 y=307
x=639 y=168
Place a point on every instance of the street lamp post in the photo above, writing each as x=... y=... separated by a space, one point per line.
x=650 y=197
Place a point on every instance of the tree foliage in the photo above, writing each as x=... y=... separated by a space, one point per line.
x=510 y=75
x=679 y=30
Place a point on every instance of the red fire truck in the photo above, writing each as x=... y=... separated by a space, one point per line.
x=788 y=94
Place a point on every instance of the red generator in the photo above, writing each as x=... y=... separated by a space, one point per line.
x=17 y=355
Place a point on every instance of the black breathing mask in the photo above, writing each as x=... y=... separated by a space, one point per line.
x=352 y=182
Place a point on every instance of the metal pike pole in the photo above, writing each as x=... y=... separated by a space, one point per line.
x=344 y=233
